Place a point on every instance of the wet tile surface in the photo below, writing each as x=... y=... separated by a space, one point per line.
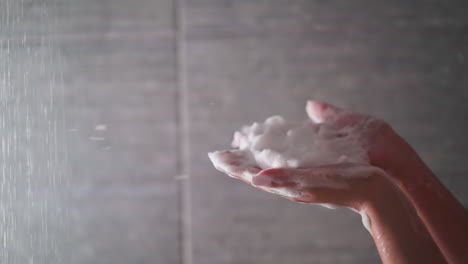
x=121 y=130
x=248 y=60
x=91 y=96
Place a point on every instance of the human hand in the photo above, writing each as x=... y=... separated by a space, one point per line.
x=385 y=148
x=344 y=184
x=370 y=188
x=444 y=216
x=399 y=234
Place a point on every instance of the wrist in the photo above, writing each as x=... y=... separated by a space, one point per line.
x=389 y=203
x=381 y=192
x=413 y=178
x=384 y=192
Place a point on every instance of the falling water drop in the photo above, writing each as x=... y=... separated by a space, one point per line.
x=32 y=164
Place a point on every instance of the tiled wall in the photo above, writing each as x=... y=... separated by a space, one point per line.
x=109 y=108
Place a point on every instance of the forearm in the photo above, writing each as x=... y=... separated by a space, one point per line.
x=445 y=217
x=399 y=234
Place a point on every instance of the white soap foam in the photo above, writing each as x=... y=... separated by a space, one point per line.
x=365 y=221
x=277 y=143
x=328 y=206
x=286 y=192
x=243 y=168
x=364 y=218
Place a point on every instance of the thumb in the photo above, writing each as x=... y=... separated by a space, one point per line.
x=320 y=112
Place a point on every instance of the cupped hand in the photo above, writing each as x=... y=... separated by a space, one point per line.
x=344 y=184
x=385 y=148
x=398 y=233
x=444 y=216
x=369 y=188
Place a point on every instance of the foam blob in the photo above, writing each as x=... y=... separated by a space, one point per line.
x=277 y=143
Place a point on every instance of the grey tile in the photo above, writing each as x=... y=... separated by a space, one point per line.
x=456 y=183
x=120 y=93
x=245 y=60
x=35 y=231
x=33 y=221
x=134 y=227
x=235 y=223
x=120 y=99
x=90 y=121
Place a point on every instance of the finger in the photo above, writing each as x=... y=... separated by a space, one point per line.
x=318 y=177
x=320 y=112
x=234 y=163
x=332 y=176
x=286 y=192
x=276 y=178
x=294 y=185
x=338 y=184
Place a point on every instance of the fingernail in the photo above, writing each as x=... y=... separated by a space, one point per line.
x=314 y=109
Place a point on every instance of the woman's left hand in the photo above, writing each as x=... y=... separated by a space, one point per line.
x=344 y=184
x=398 y=233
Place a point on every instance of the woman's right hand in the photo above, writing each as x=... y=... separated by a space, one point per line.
x=444 y=216
x=385 y=148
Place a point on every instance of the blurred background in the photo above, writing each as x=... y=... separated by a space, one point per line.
x=109 y=107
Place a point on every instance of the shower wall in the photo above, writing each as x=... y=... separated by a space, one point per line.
x=108 y=109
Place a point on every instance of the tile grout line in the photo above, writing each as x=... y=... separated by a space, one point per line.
x=183 y=148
